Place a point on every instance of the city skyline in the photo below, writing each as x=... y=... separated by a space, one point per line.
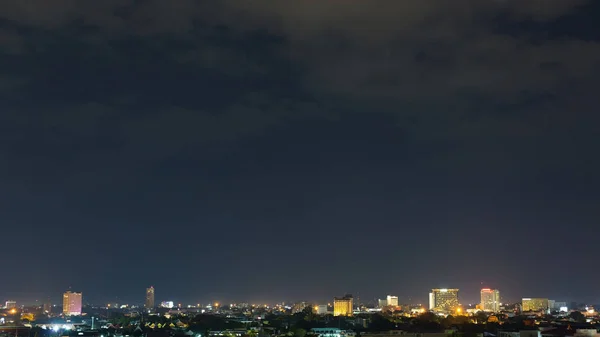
x=244 y=151
x=400 y=300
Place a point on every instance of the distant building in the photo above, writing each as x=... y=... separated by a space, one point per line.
x=167 y=304
x=559 y=305
x=299 y=307
x=535 y=304
x=343 y=306
x=327 y=332
x=392 y=300
x=490 y=300
x=47 y=307
x=72 y=303
x=321 y=309
x=381 y=303
x=149 y=304
x=445 y=300
x=431 y=301
x=10 y=304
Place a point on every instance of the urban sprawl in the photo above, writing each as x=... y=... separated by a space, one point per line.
x=344 y=316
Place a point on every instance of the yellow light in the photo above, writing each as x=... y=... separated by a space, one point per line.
x=13 y=311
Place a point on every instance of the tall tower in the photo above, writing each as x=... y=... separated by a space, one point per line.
x=490 y=300
x=149 y=305
x=72 y=303
x=445 y=300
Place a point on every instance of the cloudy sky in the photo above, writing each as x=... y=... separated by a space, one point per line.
x=264 y=151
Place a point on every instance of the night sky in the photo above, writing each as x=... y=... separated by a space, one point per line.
x=299 y=150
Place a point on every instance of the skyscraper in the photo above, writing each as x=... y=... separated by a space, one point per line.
x=72 y=303
x=392 y=300
x=10 y=304
x=149 y=298
x=490 y=300
x=444 y=300
x=342 y=306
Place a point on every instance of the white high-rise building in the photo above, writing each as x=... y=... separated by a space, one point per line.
x=392 y=300
x=431 y=301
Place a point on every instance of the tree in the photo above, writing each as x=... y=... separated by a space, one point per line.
x=577 y=316
x=481 y=317
x=299 y=332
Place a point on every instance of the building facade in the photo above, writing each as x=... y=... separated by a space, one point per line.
x=321 y=309
x=444 y=300
x=342 y=306
x=10 y=304
x=392 y=300
x=490 y=300
x=72 y=303
x=431 y=301
x=535 y=304
x=149 y=304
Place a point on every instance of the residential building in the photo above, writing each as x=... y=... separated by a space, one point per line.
x=72 y=303
x=343 y=306
x=490 y=300
x=149 y=304
x=445 y=300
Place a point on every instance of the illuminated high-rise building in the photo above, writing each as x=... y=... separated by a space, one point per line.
x=149 y=304
x=392 y=300
x=490 y=300
x=10 y=305
x=431 y=301
x=72 y=303
x=342 y=306
x=535 y=304
x=444 y=300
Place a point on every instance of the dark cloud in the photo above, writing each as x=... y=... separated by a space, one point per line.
x=133 y=114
